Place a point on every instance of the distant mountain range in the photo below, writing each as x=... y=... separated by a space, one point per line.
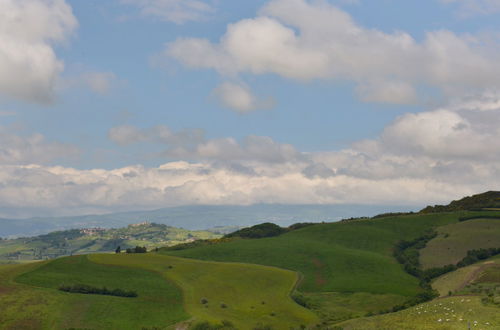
x=197 y=217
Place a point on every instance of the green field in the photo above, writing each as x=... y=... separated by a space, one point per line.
x=159 y=301
x=169 y=290
x=458 y=279
x=454 y=240
x=447 y=313
x=242 y=294
x=351 y=256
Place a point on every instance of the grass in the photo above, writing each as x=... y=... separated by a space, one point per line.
x=25 y=307
x=454 y=240
x=459 y=278
x=490 y=275
x=240 y=293
x=351 y=256
x=334 y=307
x=159 y=302
x=447 y=313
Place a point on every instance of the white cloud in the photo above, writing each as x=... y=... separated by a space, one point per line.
x=192 y=144
x=304 y=40
x=428 y=157
x=239 y=97
x=29 y=66
x=177 y=11
x=387 y=92
x=32 y=149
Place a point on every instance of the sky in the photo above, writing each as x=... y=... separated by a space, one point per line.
x=123 y=105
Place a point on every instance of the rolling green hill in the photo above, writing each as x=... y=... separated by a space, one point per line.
x=351 y=274
x=351 y=256
x=454 y=240
x=91 y=240
x=169 y=290
x=159 y=301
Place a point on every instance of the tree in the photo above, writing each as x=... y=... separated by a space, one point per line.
x=118 y=249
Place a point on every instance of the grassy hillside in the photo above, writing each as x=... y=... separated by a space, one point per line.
x=169 y=290
x=78 y=241
x=443 y=314
x=458 y=279
x=353 y=256
x=454 y=240
x=30 y=299
x=242 y=294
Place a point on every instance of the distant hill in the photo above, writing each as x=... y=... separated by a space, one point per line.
x=199 y=217
x=489 y=199
x=91 y=240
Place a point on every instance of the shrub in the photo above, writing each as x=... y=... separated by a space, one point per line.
x=87 y=289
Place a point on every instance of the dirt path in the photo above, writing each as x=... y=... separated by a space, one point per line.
x=475 y=274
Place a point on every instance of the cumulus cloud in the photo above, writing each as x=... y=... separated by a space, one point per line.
x=29 y=67
x=176 y=11
x=32 y=149
x=192 y=144
x=239 y=97
x=304 y=40
x=421 y=158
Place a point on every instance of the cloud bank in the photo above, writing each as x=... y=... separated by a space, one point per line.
x=420 y=158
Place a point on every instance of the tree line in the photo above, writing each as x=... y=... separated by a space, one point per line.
x=87 y=289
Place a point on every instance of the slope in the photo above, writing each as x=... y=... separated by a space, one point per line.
x=351 y=256
x=159 y=301
x=454 y=240
x=213 y=291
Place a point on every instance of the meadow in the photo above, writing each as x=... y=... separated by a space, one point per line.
x=454 y=240
x=458 y=279
x=239 y=293
x=159 y=301
x=351 y=256
x=170 y=290
x=441 y=314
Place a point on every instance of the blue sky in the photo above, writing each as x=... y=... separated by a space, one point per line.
x=241 y=102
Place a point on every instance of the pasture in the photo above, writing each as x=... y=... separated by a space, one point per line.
x=454 y=240
x=458 y=279
x=440 y=314
x=159 y=301
x=242 y=294
x=352 y=256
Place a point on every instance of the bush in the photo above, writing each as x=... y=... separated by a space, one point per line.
x=224 y=325
x=137 y=249
x=266 y=229
x=87 y=289
x=301 y=300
